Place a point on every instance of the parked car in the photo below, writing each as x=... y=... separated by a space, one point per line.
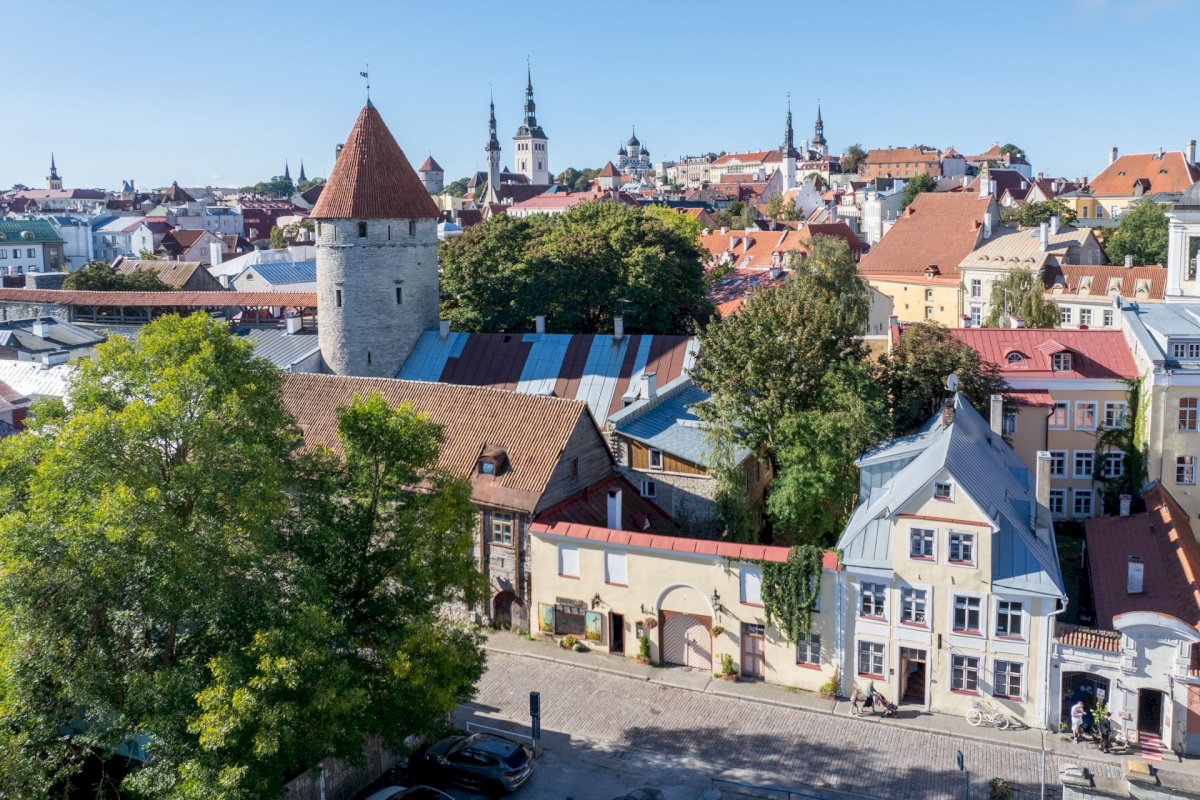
x=413 y=793
x=480 y=761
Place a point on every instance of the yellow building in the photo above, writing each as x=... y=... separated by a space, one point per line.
x=694 y=600
x=1130 y=178
x=952 y=573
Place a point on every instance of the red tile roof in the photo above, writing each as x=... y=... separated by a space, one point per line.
x=372 y=179
x=429 y=165
x=729 y=294
x=1095 y=354
x=936 y=229
x=901 y=155
x=1152 y=279
x=609 y=171
x=745 y=158
x=837 y=230
x=1162 y=537
x=161 y=299
x=755 y=250
x=1090 y=638
x=1170 y=173
x=1037 y=398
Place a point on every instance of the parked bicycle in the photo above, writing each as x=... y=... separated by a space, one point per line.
x=982 y=711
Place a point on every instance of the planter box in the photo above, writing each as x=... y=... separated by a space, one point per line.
x=732 y=678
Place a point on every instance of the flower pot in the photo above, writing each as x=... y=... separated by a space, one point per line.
x=827 y=695
x=641 y=660
x=732 y=677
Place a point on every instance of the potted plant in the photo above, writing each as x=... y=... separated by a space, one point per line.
x=717 y=630
x=643 y=655
x=568 y=642
x=651 y=623
x=728 y=671
x=829 y=688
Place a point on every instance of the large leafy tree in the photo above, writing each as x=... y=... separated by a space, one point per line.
x=1031 y=215
x=1141 y=233
x=279 y=186
x=1011 y=150
x=918 y=184
x=171 y=578
x=853 y=158
x=914 y=375
x=1020 y=293
x=580 y=269
x=100 y=276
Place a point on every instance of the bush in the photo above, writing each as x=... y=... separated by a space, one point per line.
x=727 y=667
x=830 y=686
x=644 y=648
x=569 y=641
x=999 y=790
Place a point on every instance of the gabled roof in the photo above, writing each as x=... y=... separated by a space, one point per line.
x=278 y=273
x=372 y=179
x=757 y=249
x=28 y=231
x=936 y=229
x=1009 y=248
x=668 y=422
x=902 y=155
x=533 y=431
x=175 y=194
x=1094 y=354
x=986 y=470
x=174 y=274
x=609 y=171
x=59 y=335
x=1169 y=172
x=1134 y=283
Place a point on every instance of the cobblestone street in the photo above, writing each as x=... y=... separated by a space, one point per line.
x=751 y=742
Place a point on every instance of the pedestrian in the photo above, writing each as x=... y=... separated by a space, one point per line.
x=1077 y=713
x=1105 y=726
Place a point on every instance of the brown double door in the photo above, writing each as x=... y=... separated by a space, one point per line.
x=753 y=663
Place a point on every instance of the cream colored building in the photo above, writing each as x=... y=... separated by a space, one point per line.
x=693 y=599
x=951 y=572
x=1086 y=295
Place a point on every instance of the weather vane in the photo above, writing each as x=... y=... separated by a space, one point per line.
x=367 y=74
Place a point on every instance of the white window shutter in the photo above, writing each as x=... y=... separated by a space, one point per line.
x=751 y=585
x=615 y=568
x=568 y=560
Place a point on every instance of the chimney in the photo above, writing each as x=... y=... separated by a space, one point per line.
x=1045 y=236
x=1015 y=321
x=1125 y=502
x=1054 y=223
x=1129 y=261
x=292 y=324
x=996 y=417
x=1160 y=152
x=618 y=328
x=216 y=253
x=41 y=328
x=614 y=509
x=55 y=358
x=1136 y=571
x=947 y=412
x=1041 y=494
x=443 y=328
x=649 y=385
x=1189 y=152
x=337 y=152
x=1112 y=155
x=539 y=323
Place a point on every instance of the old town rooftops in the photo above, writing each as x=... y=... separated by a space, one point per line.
x=1165 y=172
x=1105 y=280
x=936 y=230
x=1028 y=352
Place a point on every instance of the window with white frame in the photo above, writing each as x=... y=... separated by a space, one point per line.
x=976 y=316
x=1064 y=315
x=870 y=659
x=615 y=568
x=871 y=599
x=1060 y=416
x=1008 y=680
x=964 y=673
x=1189 y=350
x=1085 y=316
x=568 y=561
x=976 y=287
x=1187 y=413
x=966 y=614
x=1085 y=415
x=1083 y=502
x=1108 y=318
x=1058 y=463
x=1085 y=463
x=1114 y=415
x=751 y=581
x=1058 y=502
x=1061 y=362
x=649 y=489
x=1009 y=425
x=502 y=528
x=809 y=650
x=943 y=490
x=962 y=548
x=1185 y=470
x=1009 y=620
x=1114 y=465
x=656 y=459
x=913 y=605
x=920 y=543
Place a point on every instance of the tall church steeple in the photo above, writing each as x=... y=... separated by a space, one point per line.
x=287 y=172
x=493 y=156
x=818 y=143
x=788 y=137
x=530 y=143
x=788 y=151
x=301 y=179
x=53 y=181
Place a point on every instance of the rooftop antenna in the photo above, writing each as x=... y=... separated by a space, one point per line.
x=367 y=74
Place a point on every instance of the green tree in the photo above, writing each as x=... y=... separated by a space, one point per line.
x=288 y=234
x=583 y=182
x=685 y=224
x=100 y=276
x=304 y=186
x=568 y=176
x=278 y=186
x=579 y=269
x=774 y=207
x=1022 y=294
x=1012 y=150
x=914 y=374
x=853 y=158
x=457 y=188
x=737 y=215
x=1031 y=215
x=1142 y=233
x=918 y=184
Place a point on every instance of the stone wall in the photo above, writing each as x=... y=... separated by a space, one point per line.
x=342 y=780
x=27 y=310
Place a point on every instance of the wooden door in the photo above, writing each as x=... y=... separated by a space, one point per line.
x=752 y=651
x=686 y=640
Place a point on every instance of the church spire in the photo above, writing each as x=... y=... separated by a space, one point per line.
x=53 y=181
x=301 y=179
x=530 y=106
x=819 y=128
x=493 y=144
x=53 y=168
x=788 y=137
x=287 y=173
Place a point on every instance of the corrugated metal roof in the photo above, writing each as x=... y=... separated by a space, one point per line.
x=59 y=336
x=31 y=379
x=279 y=347
x=672 y=426
x=285 y=272
x=28 y=231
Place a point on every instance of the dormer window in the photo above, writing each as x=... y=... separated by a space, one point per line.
x=1014 y=358
x=1061 y=362
x=492 y=461
x=1189 y=350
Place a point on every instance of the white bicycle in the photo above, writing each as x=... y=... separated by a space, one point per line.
x=982 y=711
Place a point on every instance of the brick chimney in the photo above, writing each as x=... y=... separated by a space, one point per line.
x=947 y=412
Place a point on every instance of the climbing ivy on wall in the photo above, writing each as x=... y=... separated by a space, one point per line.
x=790 y=590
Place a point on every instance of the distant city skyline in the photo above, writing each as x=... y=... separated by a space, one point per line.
x=242 y=92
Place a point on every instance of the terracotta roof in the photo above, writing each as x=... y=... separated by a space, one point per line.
x=678 y=544
x=429 y=165
x=372 y=179
x=936 y=229
x=757 y=249
x=746 y=158
x=901 y=155
x=1152 y=280
x=176 y=194
x=1162 y=538
x=609 y=171
x=1170 y=173
x=590 y=507
x=1090 y=638
x=1095 y=354
x=837 y=230
x=569 y=200
x=533 y=431
x=1037 y=398
x=161 y=299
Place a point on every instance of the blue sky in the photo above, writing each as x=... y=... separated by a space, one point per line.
x=222 y=94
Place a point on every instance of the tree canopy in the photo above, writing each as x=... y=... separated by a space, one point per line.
x=737 y=215
x=278 y=186
x=1031 y=215
x=918 y=184
x=101 y=276
x=175 y=574
x=1142 y=233
x=853 y=158
x=1020 y=293
x=579 y=180
x=457 y=188
x=1012 y=150
x=580 y=269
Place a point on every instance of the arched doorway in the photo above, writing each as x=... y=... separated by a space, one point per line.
x=685 y=627
x=1083 y=686
x=509 y=612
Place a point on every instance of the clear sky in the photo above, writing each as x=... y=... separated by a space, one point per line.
x=222 y=93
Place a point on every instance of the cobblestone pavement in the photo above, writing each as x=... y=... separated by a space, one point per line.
x=752 y=742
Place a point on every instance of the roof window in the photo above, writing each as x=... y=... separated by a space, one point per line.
x=492 y=461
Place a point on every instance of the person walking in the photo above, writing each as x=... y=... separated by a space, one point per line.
x=1077 y=714
x=1105 y=727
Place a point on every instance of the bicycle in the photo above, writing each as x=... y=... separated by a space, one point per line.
x=982 y=711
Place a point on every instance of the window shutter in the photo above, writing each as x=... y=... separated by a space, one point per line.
x=751 y=585
x=615 y=568
x=568 y=560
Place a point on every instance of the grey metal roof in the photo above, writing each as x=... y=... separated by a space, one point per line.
x=673 y=427
x=18 y=334
x=1154 y=325
x=280 y=348
x=987 y=470
x=32 y=379
x=281 y=272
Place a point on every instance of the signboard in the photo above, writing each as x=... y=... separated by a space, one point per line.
x=545 y=618
x=594 y=626
x=567 y=601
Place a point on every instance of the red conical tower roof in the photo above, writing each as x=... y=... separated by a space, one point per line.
x=372 y=179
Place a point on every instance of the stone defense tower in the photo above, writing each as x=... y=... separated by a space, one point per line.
x=432 y=175
x=377 y=267
x=530 y=144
